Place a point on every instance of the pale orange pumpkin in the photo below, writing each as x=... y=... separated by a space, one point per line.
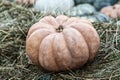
x=62 y=43
x=112 y=11
x=117 y=8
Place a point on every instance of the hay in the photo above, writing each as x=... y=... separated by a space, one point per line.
x=15 y=22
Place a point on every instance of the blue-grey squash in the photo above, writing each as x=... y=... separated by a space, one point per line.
x=98 y=4
x=97 y=17
x=83 y=1
x=80 y=10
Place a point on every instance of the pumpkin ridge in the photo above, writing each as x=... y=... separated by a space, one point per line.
x=39 y=42
x=68 y=48
x=39 y=30
x=28 y=36
x=67 y=45
x=64 y=59
x=83 y=38
x=34 y=28
x=61 y=19
x=57 y=64
x=92 y=30
x=43 y=56
x=50 y=21
x=71 y=52
x=55 y=54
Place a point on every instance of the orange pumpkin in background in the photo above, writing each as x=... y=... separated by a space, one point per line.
x=117 y=8
x=112 y=11
x=62 y=43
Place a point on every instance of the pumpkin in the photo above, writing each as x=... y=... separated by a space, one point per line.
x=53 y=5
x=87 y=11
x=80 y=10
x=62 y=43
x=112 y=11
x=83 y=1
x=117 y=8
x=99 y=4
x=97 y=17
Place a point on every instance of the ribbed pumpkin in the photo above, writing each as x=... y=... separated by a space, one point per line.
x=112 y=11
x=62 y=43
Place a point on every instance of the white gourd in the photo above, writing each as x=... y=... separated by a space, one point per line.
x=53 y=5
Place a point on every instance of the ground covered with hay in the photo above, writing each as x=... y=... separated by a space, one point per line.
x=14 y=65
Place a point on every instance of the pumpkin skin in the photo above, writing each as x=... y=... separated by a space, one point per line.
x=53 y=5
x=62 y=43
x=117 y=8
x=81 y=10
x=112 y=11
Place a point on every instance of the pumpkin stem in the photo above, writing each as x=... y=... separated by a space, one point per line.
x=60 y=28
